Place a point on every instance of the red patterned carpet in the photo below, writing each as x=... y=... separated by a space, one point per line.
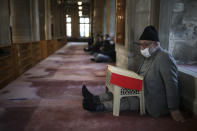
x=48 y=98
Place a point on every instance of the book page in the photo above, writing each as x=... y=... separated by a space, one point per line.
x=124 y=72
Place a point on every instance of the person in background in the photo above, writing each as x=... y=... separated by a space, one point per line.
x=96 y=46
x=107 y=53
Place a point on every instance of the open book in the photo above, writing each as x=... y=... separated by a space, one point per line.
x=124 y=78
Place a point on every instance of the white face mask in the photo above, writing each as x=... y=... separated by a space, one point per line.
x=145 y=52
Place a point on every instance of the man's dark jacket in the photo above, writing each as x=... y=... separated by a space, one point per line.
x=160 y=83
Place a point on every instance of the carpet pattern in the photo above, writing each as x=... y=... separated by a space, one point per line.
x=48 y=98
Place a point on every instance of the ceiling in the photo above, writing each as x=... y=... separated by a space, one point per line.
x=75 y=1
x=71 y=5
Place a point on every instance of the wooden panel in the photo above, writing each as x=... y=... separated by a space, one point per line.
x=4 y=23
x=6 y=67
x=23 y=57
x=56 y=47
x=43 y=45
x=36 y=53
x=120 y=21
x=50 y=47
x=20 y=16
x=61 y=42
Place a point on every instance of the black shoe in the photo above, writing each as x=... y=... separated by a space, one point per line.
x=92 y=59
x=93 y=107
x=89 y=96
x=106 y=90
x=88 y=105
x=86 y=94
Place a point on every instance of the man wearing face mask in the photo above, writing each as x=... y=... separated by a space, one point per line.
x=160 y=77
x=160 y=82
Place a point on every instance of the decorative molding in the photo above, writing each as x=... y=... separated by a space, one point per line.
x=120 y=21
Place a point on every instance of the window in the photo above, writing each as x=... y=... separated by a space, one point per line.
x=68 y=26
x=84 y=26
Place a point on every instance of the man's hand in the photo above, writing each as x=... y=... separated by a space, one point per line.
x=177 y=116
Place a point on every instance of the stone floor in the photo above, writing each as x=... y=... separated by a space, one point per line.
x=48 y=98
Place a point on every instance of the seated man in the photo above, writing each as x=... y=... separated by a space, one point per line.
x=107 y=54
x=160 y=83
x=107 y=37
x=95 y=47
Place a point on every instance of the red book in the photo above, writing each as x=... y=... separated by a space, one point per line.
x=125 y=78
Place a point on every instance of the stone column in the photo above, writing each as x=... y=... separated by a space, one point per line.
x=98 y=17
x=123 y=50
x=109 y=17
x=48 y=20
x=139 y=14
x=75 y=23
